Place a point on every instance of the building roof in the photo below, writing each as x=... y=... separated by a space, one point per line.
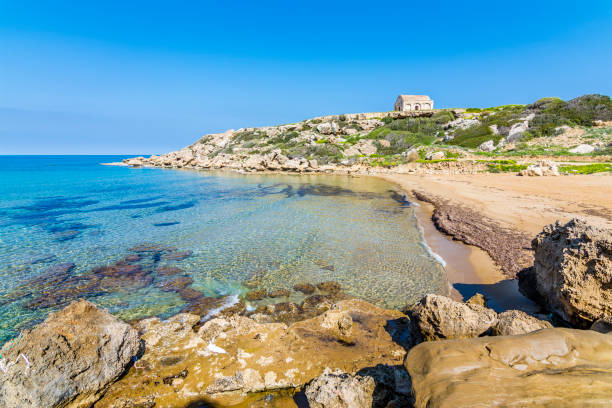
x=414 y=97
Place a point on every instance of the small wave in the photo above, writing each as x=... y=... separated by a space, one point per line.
x=231 y=301
x=434 y=255
x=430 y=251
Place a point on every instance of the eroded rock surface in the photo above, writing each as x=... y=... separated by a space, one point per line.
x=230 y=357
x=547 y=368
x=573 y=271
x=68 y=360
x=513 y=322
x=340 y=390
x=439 y=317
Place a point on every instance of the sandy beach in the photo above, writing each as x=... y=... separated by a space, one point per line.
x=523 y=203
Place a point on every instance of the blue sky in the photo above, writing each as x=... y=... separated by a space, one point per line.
x=144 y=77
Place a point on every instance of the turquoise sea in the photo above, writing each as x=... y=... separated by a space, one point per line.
x=120 y=237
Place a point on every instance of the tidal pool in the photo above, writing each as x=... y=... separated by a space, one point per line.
x=70 y=227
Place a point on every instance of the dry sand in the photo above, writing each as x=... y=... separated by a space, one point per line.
x=522 y=203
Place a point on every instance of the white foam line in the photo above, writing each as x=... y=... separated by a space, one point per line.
x=431 y=252
x=233 y=299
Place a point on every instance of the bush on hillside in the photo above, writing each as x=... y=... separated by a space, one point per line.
x=583 y=110
x=474 y=136
x=443 y=117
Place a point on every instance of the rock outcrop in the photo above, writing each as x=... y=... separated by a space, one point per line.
x=439 y=317
x=340 y=390
x=547 y=368
x=229 y=357
x=67 y=361
x=572 y=272
x=582 y=149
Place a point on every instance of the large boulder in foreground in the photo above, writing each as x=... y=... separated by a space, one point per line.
x=550 y=367
x=68 y=360
x=572 y=272
x=227 y=359
x=438 y=317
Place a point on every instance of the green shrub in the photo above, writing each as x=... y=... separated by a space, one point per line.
x=473 y=110
x=387 y=119
x=323 y=153
x=283 y=137
x=443 y=117
x=586 y=168
x=245 y=136
x=502 y=168
x=544 y=124
x=474 y=136
x=583 y=110
x=436 y=160
x=451 y=155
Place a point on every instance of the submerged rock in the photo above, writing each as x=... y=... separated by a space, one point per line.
x=305 y=288
x=439 y=317
x=330 y=287
x=68 y=360
x=279 y=293
x=550 y=367
x=573 y=270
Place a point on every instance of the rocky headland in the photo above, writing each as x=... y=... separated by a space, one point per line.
x=346 y=352
x=509 y=138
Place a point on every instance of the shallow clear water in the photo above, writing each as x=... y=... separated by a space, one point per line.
x=271 y=231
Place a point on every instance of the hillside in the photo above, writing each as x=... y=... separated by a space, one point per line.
x=503 y=138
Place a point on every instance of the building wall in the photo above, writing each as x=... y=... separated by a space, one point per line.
x=411 y=105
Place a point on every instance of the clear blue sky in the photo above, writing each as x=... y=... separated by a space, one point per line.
x=144 y=77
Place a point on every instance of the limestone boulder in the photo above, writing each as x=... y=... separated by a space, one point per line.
x=582 y=149
x=487 y=146
x=516 y=131
x=438 y=317
x=327 y=128
x=435 y=155
x=572 y=271
x=547 y=368
x=69 y=360
x=340 y=390
x=543 y=168
x=364 y=147
x=135 y=161
x=513 y=322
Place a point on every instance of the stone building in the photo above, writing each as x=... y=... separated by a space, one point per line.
x=413 y=103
